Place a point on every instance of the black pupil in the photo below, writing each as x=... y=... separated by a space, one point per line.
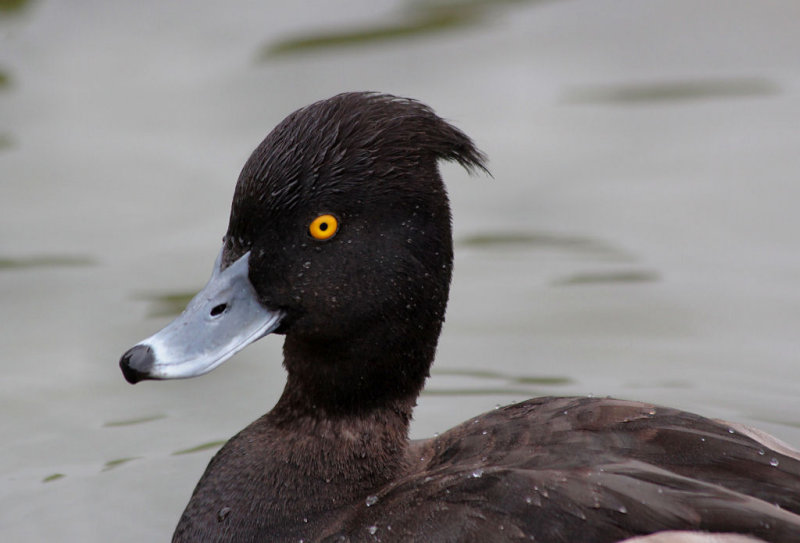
x=216 y=310
x=323 y=226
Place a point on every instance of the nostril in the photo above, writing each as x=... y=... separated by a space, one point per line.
x=218 y=309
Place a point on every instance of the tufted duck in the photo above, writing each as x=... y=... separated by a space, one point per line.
x=340 y=239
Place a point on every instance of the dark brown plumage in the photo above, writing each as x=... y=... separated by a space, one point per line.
x=362 y=312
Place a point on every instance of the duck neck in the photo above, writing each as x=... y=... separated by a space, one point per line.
x=339 y=451
x=377 y=373
x=352 y=453
x=349 y=408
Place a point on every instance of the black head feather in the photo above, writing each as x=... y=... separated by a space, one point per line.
x=350 y=140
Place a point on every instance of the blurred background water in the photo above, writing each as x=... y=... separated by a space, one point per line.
x=639 y=238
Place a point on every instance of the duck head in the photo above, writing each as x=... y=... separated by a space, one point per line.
x=340 y=238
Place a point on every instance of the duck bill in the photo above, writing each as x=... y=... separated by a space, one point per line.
x=221 y=320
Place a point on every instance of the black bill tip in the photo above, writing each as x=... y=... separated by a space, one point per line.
x=137 y=363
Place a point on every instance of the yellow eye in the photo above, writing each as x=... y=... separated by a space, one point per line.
x=323 y=227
